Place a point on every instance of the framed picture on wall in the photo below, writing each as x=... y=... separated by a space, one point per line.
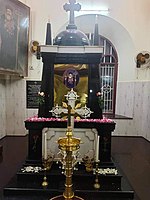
x=14 y=37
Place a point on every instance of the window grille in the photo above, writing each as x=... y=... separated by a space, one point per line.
x=108 y=70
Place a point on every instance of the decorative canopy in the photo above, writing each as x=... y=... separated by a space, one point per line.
x=71 y=36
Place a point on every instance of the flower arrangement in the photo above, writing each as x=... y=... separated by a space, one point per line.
x=100 y=100
x=31 y=169
x=41 y=96
x=106 y=171
x=43 y=119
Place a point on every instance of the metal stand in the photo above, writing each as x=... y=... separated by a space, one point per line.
x=96 y=184
x=45 y=183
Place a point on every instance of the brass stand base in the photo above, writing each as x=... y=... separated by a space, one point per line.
x=44 y=183
x=97 y=186
x=61 y=197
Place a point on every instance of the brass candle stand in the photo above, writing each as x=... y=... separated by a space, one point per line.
x=96 y=184
x=47 y=163
x=88 y=162
x=68 y=146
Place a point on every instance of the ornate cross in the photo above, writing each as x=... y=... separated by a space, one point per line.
x=70 y=110
x=72 y=6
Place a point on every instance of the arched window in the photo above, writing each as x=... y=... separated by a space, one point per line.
x=108 y=70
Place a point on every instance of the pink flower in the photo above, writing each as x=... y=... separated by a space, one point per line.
x=42 y=119
x=99 y=94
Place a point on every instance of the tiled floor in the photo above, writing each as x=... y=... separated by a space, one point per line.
x=132 y=154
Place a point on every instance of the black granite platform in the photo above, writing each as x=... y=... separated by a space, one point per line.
x=28 y=185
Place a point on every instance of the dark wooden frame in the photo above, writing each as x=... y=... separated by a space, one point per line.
x=16 y=61
x=47 y=86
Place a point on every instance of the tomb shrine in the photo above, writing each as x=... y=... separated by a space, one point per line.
x=94 y=173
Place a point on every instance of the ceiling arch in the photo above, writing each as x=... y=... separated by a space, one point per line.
x=118 y=35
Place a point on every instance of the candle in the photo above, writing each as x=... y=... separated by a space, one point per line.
x=97 y=149
x=45 y=146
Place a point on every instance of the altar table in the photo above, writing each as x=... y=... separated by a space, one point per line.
x=34 y=125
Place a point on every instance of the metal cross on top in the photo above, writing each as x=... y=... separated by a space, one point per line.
x=72 y=6
x=70 y=110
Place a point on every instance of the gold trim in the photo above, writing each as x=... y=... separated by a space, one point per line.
x=62 y=198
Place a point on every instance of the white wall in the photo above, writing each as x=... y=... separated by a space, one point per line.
x=136 y=108
x=127 y=26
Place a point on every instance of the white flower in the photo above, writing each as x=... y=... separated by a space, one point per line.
x=41 y=94
x=31 y=169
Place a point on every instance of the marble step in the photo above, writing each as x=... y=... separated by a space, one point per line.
x=88 y=193
x=80 y=175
